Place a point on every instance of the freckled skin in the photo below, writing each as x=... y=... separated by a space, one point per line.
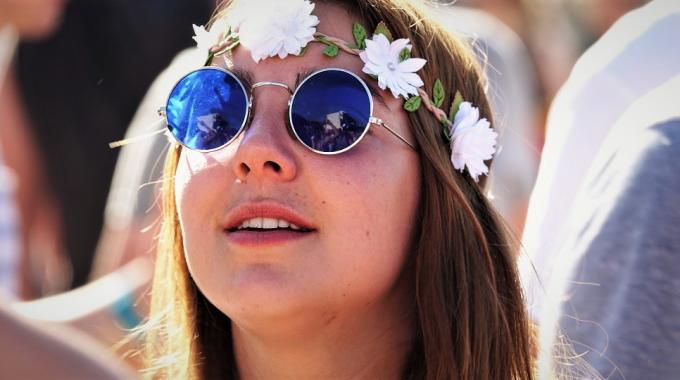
x=370 y=191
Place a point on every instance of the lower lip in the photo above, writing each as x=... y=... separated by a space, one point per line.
x=265 y=238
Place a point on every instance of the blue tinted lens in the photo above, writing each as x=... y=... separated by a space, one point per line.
x=206 y=109
x=330 y=111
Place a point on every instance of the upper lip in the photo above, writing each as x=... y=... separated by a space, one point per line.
x=265 y=209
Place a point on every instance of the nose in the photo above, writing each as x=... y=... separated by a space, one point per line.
x=265 y=151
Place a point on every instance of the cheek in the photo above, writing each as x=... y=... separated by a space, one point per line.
x=199 y=185
x=189 y=198
x=192 y=188
x=371 y=210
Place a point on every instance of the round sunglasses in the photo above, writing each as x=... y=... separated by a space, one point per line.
x=329 y=112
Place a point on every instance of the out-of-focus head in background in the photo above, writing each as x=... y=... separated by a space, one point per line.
x=33 y=19
x=597 y=16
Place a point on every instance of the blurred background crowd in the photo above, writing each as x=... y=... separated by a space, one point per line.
x=78 y=220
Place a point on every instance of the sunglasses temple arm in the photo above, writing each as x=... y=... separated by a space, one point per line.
x=117 y=144
x=379 y=122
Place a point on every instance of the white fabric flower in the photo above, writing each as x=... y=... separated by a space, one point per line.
x=381 y=58
x=206 y=39
x=271 y=28
x=472 y=141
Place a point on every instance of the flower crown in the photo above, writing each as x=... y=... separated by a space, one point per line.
x=287 y=27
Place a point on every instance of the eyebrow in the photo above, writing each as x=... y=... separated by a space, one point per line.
x=302 y=75
x=247 y=78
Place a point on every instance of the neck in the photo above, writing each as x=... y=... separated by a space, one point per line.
x=376 y=345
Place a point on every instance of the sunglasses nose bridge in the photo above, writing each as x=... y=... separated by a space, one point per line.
x=271 y=83
x=268 y=83
x=251 y=100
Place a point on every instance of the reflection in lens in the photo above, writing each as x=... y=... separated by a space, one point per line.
x=206 y=109
x=330 y=111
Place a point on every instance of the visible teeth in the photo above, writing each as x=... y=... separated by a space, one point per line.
x=267 y=224
x=256 y=223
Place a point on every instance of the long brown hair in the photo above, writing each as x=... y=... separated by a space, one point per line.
x=471 y=318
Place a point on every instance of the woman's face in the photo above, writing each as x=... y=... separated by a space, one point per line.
x=358 y=208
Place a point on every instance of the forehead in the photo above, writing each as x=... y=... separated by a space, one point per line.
x=334 y=21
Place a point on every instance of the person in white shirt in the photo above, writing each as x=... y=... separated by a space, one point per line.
x=629 y=61
x=601 y=233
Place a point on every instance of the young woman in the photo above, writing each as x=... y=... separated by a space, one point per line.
x=324 y=213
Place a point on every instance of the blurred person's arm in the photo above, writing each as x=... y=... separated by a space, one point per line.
x=32 y=351
x=106 y=309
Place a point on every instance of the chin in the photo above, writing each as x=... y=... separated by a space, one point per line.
x=262 y=293
x=270 y=303
x=270 y=317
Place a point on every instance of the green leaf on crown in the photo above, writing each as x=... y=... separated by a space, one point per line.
x=438 y=93
x=444 y=121
x=209 y=59
x=382 y=29
x=455 y=106
x=413 y=103
x=404 y=55
x=359 y=33
x=331 y=50
x=446 y=132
